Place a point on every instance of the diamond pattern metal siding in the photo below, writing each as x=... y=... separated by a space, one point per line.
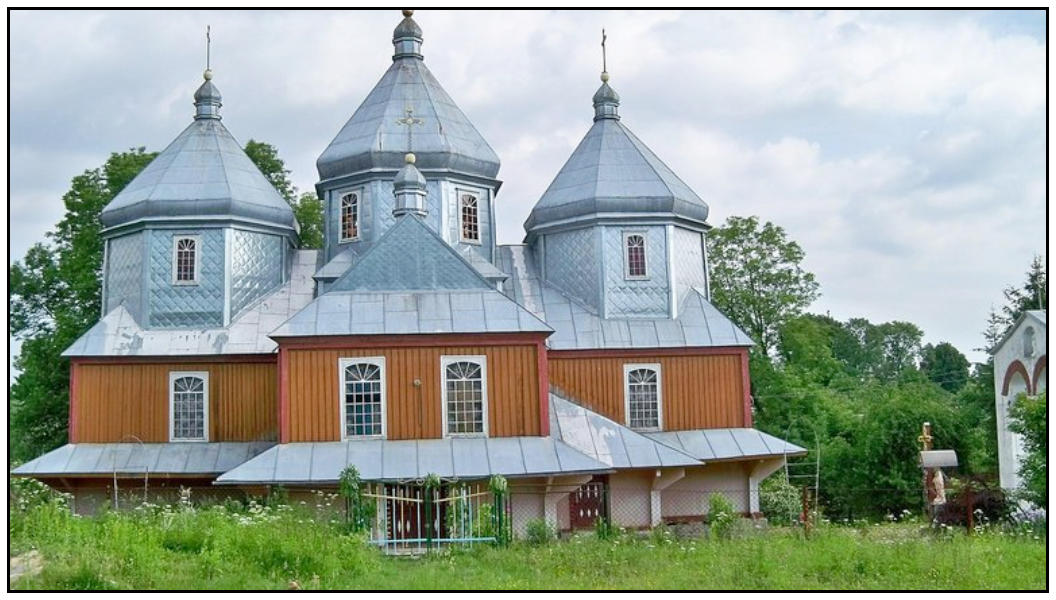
x=256 y=267
x=124 y=274
x=572 y=264
x=636 y=298
x=688 y=261
x=200 y=305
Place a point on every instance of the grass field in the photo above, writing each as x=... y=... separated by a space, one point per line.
x=218 y=548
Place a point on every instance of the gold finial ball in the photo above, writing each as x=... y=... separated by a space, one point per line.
x=604 y=76
x=407 y=13
x=208 y=74
x=409 y=158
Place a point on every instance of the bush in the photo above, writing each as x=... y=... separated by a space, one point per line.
x=538 y=532
x=720 y=516
x=780 y=501
x=1030 y=418
x=604 y=529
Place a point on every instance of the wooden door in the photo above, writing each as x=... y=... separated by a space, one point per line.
x=588 y=503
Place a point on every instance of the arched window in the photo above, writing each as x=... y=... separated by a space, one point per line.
x=189 y=406
x=1028 y=342
x=642 y=396
x=470 y=217
x=465 y=394
x=363 y=402
x=350 y=217
x=185 y=260
x=635 y=255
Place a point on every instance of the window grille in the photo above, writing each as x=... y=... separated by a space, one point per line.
x=185 y=259
x=364 y=400
x=350 y=216
x=465 y=397
x=636 y=255
x=470 y=220
x=643 y=399
x=189 y=406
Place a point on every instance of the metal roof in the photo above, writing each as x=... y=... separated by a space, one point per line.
x=118 y=333
x=372 y=139
x=609 y=442
x=727 y=444
x=202 y=175
x=184 y=458
x=938 y=458
x=612 y=172
x=317 y=463
x=699 y=324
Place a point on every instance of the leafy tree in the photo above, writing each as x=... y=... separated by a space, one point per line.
x=757 y=278
x=1032 y=295
x=945 y=365
x=55 y=297
x=307 y=208
x=1029 y=418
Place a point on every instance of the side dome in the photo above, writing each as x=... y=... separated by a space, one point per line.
x=203 y=175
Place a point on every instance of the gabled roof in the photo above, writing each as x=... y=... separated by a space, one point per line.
x=205 y=459
x=1035 y=315
x=576 y=327
x=613 y=172
x=118 y=333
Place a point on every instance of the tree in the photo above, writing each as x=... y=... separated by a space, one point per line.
x=307 y=208
x=1033 y=295
x=55 y=297
x=757 y=279
x=945 y=365
x=1029 y=418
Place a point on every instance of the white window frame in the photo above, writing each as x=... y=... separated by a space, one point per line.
x=197 y=258
x=173 y=376
x=627 y=255
x=342 y=364
x=627 y=368
x=458 y=205
x=446 y=360
x=340 y=215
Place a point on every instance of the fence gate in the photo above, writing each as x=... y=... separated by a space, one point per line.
x=408 y=521
x=587 y=503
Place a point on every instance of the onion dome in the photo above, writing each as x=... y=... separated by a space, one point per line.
x=409 y=189
x=202 y=176
x=372 y=138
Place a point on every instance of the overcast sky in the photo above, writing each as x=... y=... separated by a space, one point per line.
x=905 y=152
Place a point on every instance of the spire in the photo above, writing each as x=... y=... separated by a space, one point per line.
x=606 y=100
x=207 y=99
x=409 y=189
x=407 y=38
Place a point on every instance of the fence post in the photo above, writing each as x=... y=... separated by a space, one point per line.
x=806 y=512
x=971 y=507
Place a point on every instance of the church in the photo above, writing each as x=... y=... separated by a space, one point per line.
x=585 y=365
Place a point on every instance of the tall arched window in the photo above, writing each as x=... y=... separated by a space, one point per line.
x=468 y=209
x=643 y=402
x=189 y=406
x=1028 y=342
x=350 y=217
x=465 y=395
x=634 y=243
x=185 y=260
x=363 y=396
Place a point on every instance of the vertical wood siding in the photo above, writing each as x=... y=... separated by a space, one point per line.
x=698 y=391
x=117 y=400
x=412 y=412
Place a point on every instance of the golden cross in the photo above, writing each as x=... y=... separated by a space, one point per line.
x=409 y=120
x=925 y=436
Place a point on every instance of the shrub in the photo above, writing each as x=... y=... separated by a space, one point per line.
x=538 y=532
x=603 y=529
x=720 y=516
x=780 y=501
x=359 y=510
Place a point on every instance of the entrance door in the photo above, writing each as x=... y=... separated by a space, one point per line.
x=588 y=503
x=405 y=513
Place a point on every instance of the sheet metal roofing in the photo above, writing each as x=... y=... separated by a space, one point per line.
x=727 y=444
x=135 y=458
x=373 y=139
x=613 y=172
x=202 y=175
x=699 y=324
x=118 y=333
x=607 y=441
x=401 y=460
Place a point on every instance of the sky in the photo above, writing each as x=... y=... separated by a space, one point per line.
x=903 y=151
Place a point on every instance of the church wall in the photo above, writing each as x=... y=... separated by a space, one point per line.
x=688 y=261
x=124 y=274
x=636 y=297
x=571 y=262
x=698 y=391
x=182 y=306
x=413 y=412
x=256 y=266
x=1017 y=360
x=114 y=400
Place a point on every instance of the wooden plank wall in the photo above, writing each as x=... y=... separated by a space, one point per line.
x=699 y=391
x=112 y=401
x=413 y=412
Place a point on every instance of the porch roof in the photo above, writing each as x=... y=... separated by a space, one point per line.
x=727 y=444
x=183 y=458
x=321 y=463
